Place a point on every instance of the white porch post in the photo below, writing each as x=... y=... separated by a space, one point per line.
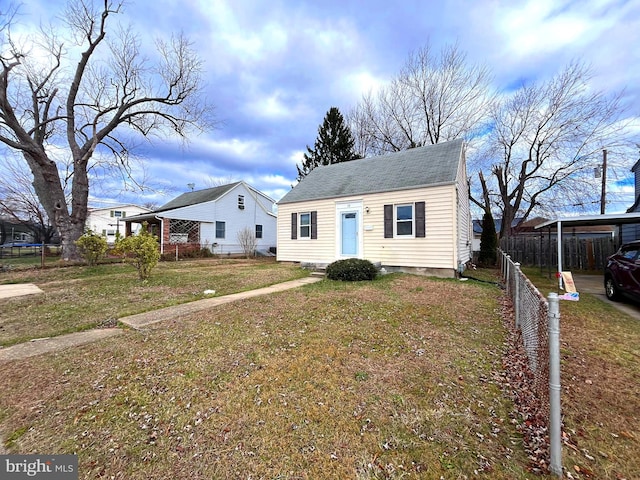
x=559 y=234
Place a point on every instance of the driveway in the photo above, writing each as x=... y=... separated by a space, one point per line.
x=594 y=284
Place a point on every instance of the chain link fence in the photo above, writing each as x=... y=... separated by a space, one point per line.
x=537 y=321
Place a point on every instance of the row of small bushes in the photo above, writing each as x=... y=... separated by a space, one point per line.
x=142 y=250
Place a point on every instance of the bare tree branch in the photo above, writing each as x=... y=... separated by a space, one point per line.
x=544 y=138
x=113 y=95
x=435 y=98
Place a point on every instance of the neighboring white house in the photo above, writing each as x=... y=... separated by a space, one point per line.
x=407 y=210
x=213 y=218
x=108 y=221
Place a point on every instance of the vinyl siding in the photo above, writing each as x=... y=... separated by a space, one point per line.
x=100 y=219
x=320 y=250
x=465 y=225
x=436 y=250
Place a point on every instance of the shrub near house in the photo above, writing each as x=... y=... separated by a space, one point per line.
x=144 y=250
x=351 y=270
x=92 y=247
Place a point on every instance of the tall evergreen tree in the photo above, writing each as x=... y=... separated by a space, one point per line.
x=334 y=144
x=488 y=242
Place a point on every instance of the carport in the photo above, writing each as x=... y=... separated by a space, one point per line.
x=616 y=220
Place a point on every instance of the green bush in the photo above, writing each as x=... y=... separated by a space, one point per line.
x=351 y=270
x=92 y=247
x=143 y=248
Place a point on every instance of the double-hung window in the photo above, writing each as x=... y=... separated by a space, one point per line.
x=404 y=220
x=305 y=225
x=220 y=229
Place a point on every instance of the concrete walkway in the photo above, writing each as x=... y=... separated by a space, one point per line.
x=53 y=344
x=139 y=321
x=18 y=289
x=594 y=284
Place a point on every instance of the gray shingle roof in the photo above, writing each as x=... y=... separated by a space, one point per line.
x=193 y=198
x=414 y=168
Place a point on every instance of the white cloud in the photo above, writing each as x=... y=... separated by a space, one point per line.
x=274 y=180
x=357 y=84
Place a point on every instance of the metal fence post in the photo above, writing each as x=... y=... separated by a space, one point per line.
x=555 y=428
x=516 y=299
x=508 y=280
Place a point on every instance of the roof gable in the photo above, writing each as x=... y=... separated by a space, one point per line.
x=417 y=167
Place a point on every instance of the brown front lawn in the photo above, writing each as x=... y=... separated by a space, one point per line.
x=390 y=379
x=78 y=298
x=397 y=378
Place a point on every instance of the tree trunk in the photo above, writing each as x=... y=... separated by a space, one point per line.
x=69 y=233
x=508 y=215
x=48 y=187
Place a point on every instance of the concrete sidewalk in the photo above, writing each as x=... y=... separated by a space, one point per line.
x=18 y=289
x=139 y=321
x=53 y=344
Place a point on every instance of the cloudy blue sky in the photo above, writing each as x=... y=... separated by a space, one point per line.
x=274 y=68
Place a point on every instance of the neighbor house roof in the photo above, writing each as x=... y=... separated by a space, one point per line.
x=199 y=196
x=414 y=168
x=193 y=198
x=118 y=207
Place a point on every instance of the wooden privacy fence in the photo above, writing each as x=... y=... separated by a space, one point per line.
x=577 y=253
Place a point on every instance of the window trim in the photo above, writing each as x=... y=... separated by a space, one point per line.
x=302 y=225
x=224 y=229
x=396 y=221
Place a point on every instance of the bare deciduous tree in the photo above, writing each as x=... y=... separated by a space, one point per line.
x=435 y=98
x=248 y=242
x=544 y=143
x=72 y=98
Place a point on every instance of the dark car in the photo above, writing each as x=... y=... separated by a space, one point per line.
x=622 y=273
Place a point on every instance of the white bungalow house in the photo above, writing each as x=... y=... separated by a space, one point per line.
x=408 y=210
x=213 y=218
x=109 y=221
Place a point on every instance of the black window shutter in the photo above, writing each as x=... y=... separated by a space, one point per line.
x=294 y=226
x=314 y=225
x=388 y=221
x=420 y=220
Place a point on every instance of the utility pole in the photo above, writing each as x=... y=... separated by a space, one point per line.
x=603 y=195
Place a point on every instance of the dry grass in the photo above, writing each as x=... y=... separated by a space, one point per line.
x=78 y=298
x=390 y=379
x=600 y=376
